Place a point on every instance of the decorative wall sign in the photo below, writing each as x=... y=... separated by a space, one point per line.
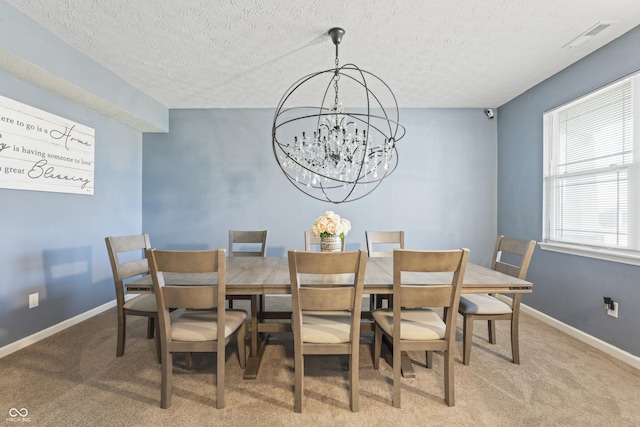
x=44 y=152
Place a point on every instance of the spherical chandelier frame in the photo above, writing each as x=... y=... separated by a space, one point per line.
x=361 y=147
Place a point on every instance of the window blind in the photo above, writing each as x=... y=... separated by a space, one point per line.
x=591 y=181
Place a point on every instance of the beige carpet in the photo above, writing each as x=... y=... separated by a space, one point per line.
x=74 y=378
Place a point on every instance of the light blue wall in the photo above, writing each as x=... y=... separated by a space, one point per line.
x=53 y=243
x=566 y=287
x=215 y=171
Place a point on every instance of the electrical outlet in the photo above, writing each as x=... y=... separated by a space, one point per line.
x=33 y=300
x=614 y=312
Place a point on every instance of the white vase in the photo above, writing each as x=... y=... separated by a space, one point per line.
x=331 y=243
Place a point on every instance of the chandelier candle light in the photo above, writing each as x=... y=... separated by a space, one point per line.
x=331 y=229
x=329 y=152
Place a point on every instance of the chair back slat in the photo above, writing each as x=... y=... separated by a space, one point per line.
x=129 y=243
x=514 y=246
x=436 y=261
x=198 y=297
x=503 y=267
x=427 y=296
x=132 y=268
x=327 y=262
x=187 y=261
x=329 y=299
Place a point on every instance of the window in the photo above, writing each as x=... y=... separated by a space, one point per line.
x=591 y=174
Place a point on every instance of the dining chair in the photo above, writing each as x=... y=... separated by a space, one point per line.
x=510 y=256
x=413 y=324
x=387 y=240
x=383 y=240
x=203 y=324
x=312 y=241
x=250 y=244
x=126 y=254
x=326 y=291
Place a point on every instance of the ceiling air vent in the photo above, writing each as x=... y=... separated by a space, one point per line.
x=596 y=29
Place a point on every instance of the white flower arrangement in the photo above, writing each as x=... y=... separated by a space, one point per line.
x=330 y=224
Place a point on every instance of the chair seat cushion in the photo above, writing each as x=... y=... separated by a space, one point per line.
x=203 y=325
x=482 y=304
x=417 y=324
x=326 y=327
x=145 y=302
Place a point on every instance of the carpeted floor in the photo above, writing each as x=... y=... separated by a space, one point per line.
x=74 y=378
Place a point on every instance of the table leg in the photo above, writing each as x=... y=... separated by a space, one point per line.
x=406 y=367
x=253 y=361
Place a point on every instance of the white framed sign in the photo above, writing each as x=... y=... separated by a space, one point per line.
x=44 y=152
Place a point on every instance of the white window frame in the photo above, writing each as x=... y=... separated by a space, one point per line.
x=556 y=175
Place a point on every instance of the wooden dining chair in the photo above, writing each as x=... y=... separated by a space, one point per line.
x=205 y=325
x=312 y=241
x=326 y=311
x=387 y=240
x=412 y=323
x=250 y=244
x=127 y=257
x=512 y=257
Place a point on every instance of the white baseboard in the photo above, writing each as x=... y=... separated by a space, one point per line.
x=611 y=350
x=32 y=339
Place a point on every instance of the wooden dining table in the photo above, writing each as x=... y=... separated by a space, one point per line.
x=255 y=276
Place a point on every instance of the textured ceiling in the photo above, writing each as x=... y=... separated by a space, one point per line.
x=246 y=53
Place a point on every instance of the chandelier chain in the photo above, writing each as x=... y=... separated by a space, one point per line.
x=336 y=77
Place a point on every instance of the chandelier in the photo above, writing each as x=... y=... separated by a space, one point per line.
x=330 y=152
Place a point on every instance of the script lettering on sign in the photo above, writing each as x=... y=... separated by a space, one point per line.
x=44 y=152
